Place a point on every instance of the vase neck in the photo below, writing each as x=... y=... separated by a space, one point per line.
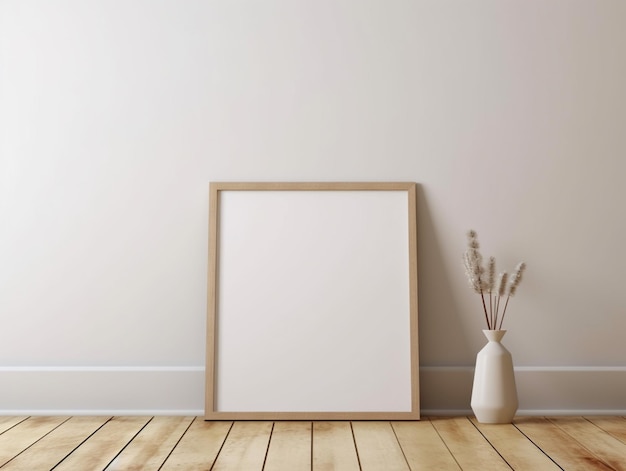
x=494 y=335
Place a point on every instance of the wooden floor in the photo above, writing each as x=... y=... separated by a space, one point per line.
x=190 y=443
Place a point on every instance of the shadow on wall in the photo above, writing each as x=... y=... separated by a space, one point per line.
x=442 y=339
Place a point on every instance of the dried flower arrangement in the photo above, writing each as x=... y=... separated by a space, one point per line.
x=485 y=283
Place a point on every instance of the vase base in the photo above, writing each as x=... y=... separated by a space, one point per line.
x=494 y=417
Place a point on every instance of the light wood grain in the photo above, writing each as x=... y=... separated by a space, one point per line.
x=7 y=422
x=290 y=447
x=568 y=453
x=24 y=434
x=449 y=443
x=311 y=416
x=245 y=448
x=104 y=445
x=212 y=301
x=378 y=447
x=616 y=426
x=56 y=445
x=312 y=186
x=423 y=447
x=469 y=447
x=515 y=448
x=333 y=447
x=198 y=447
x=413 y=302
x=151 y=447
x=606 y=447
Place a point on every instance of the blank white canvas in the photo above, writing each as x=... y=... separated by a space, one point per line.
x=313 y=302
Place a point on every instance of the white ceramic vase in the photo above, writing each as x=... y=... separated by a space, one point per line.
x=494 y=394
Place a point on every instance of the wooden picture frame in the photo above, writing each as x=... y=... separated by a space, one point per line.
x=312 y=302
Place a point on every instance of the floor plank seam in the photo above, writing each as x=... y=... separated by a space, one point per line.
x=445 y=444
x=588 y=450
x=36 y=441
x=15 y=425
x=356 y=448
x=538 y=447
x=267 y=448
x=127 y=444
x=400 y=445
x=312 y=455
x=81 y=443
x=491 y=444
x=222 y=445
x=177 y=443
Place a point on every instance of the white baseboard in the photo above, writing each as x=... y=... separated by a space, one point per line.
x=102 y=391
x=180 y=390
x=541 y=390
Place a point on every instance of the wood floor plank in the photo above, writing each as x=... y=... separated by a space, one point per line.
x=606 y=447
x=7 y=422
x=519 y=452
x=60 y=442
x=245 y=447
x=568 y=453
x=423 y=447
x=192 y=444
x=467 y=445
x=151 y=447
x=198 y=447
x=378 y=447
x=24 y=434
x=616 y=426
x=104 y=445
x=333 y=447
x=290 y=447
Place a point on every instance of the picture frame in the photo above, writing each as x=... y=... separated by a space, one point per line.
x=312 y=309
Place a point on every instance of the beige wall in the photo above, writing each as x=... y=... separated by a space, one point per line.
x=114 y=116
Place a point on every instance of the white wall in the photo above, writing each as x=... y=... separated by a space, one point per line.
x=115 y=115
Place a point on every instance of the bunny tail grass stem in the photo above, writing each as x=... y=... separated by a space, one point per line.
x=504 y=311
x=491 y=278
x=497 y=308
x=482 y=296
